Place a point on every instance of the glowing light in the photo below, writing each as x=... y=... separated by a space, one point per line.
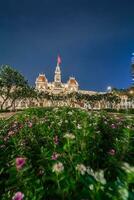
x=131 y=91
x=109 y=88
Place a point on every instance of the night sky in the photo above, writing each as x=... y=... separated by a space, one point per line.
x=95 y=39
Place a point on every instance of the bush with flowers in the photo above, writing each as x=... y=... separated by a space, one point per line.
x=65 y=153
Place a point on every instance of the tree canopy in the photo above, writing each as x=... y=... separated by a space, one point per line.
x=13 y=86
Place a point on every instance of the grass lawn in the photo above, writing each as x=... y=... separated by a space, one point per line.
x=65 y=153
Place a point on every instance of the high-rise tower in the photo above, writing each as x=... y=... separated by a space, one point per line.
x=132 y=68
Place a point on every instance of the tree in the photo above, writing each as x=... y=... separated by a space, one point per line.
x=13 y=86
x=109 y=99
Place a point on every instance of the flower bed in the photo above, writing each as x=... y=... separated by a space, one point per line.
x=63 y=153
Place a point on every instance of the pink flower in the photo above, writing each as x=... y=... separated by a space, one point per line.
x=30 y=124
x=20 y=161
x=54 y=156
x=58 y=167
x=10 y=133
x=112 y=152
x=5 y=138
x=18 y=196
x=113 y=126
x=14 y=124
x=56 y=140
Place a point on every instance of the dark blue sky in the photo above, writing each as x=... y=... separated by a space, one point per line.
x=95 y=39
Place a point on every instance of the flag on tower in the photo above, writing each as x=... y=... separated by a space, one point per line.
x=59 y=60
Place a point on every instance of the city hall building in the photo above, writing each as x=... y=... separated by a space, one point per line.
x=58 y=88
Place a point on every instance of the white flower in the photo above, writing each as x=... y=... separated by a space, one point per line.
x=128 y=168
x=97 y=131
x=70 y=113
x=81 y=168
x=123 y=193
x=98 y=175
x=58 y=167
x=69 y=136
x=91 y=187
x=60 y=122
x=90 y=171
x=79 y=126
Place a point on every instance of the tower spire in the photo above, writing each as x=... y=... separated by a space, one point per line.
x=57 y=76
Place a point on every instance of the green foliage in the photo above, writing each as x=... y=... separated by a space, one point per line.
x=13 y=86
x=69 y=154
x=125 y=111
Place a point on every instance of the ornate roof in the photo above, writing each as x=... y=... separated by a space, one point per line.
x=42 y=78
x=72 y=81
